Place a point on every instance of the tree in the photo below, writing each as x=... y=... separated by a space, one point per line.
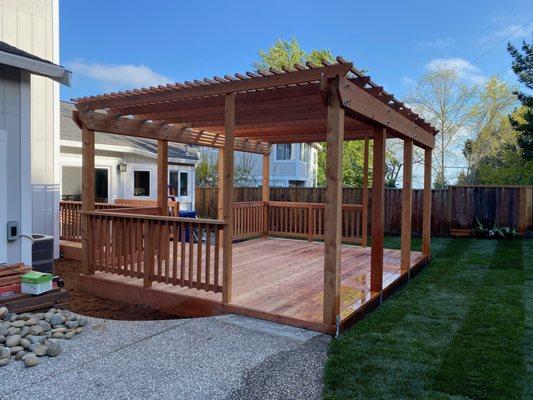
x=489 y=125
x=443 y=99
x=286 y=53
x=352 y=163
x=523 y=68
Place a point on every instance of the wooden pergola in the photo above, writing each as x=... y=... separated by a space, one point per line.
x=330 y=103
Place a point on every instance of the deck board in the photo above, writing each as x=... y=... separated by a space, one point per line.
x=284 y=278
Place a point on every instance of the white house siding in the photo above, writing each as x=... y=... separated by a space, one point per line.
x=33 y=26
x=121 y=184
x=14 y=120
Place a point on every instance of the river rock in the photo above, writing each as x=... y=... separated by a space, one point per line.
x=70 y=335
x=82 y=321
x=24 y=331
x=53 y=350
x=20 y=354
x=13 y=331
x=57 y=319
x=18 y=323
x=58 y=335
x=72 y=324
x=31 y=322
x=4 y=361
x=3 y=312
x=5 y=352
x=13 y=340
x=45 y=325
x=25 y=343
x=30 y=360
x=16 y=349
x=78 y=330
x=38 y=349
x=36 y=330
x=36 y=339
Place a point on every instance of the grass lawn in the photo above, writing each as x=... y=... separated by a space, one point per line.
x=462 y=329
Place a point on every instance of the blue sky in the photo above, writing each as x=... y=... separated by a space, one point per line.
x=119 y=44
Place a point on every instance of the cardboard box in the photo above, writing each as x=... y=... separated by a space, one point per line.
x=36 y=282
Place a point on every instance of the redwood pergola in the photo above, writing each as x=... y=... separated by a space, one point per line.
x=248 y=112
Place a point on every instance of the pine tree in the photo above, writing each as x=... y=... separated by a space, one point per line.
x=523 y=68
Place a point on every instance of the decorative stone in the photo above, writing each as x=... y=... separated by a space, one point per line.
x=2 y=338
x=36 y=330
x=12 y=341
x=16 y=349
x=78 y=330
x=31 y=322
x=25 y=343
x=70 y=335
x=36 y=339
x=57 y=319
x=58 y=335
x=20 y=354
x=45 y=325
x=61 y=330
x=30 y=360
x=72 y=324
x=53 y=350
x=4 y=361
x=13 y=331
x=24 y=331
x=3 y=312
x=38 y=349
x=5 y=352
x=18 y=323
x=82 y=321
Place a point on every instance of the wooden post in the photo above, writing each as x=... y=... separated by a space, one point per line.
x=162 y=176
x=333 y=209
x=364 y=222
x=407 y=203
x=220 y=193
x=378 y=209
x=227 y=196
x=87 y=194
x=426 y=211
x=265 y=192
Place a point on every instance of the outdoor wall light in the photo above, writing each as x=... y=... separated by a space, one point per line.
x=122 y=167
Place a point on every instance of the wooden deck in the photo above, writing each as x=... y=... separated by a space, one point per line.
x=275 y=279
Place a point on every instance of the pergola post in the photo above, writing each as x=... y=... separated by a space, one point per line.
x=87 y=194
x=378 y=209
x=265 y=192
x=227 y=196
x=162 y=176
x=220 y=192
x=406 y=204
x=364 y=217
x=333 y=209
x=426 y=211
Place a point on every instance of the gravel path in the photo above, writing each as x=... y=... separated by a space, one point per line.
x=226 y=357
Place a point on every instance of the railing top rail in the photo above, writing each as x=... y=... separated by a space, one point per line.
x=154 y=217
x=299 y=204
x=110 y=205
x=248 y=203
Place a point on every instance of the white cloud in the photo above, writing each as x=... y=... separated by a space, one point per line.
x=439 y=43
x=464 y=68
x=114 y=77
x=512 y=31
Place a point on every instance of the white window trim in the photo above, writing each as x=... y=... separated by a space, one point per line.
x=188 y=183
x=72 y=163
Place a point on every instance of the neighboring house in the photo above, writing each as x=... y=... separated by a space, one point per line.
x=126 y=167
x=33 y=26
x=291 y=165
x=19 y=217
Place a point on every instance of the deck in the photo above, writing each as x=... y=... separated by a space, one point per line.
x=275 y=279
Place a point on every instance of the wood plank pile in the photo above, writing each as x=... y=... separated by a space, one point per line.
x=12 y=298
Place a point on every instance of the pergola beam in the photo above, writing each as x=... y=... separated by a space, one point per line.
x=101 y=122
x=364 y=104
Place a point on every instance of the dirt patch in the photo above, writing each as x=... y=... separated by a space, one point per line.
x=93 y=306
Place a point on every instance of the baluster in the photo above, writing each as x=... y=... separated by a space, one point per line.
x=217 y=255
x=174 y=253
x=199 y=259
x=182 y=257
x=191 y=254
x=207 y=256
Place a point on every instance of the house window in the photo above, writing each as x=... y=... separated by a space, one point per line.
x=283 y=151
x=141 y=182
x=179 y=182
x=304 y=152
x=184 y=184
x=71 y=183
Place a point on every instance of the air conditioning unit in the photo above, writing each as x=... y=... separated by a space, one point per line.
x=42 y=254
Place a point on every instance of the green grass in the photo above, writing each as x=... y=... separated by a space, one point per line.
x=462 y=329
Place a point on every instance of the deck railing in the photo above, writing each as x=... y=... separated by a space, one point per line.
x=306 y=220
x=248 y=219
x=70 y=221
x=177 y=251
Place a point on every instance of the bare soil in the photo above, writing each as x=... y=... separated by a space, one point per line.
x=93 y=306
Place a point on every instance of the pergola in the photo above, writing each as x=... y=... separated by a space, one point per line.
x=248 y=112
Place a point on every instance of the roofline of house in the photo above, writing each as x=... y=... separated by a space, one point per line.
x=126 y=149
x=49 y=70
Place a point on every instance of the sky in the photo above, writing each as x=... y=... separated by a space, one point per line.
x=125 y=44
x=121 y=44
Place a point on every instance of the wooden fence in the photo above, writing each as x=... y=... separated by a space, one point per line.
x=453 y=210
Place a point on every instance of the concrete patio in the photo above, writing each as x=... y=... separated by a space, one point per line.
x=225 y=357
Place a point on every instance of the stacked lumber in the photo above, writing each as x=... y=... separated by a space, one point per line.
x=15 y=301
x=10 y=277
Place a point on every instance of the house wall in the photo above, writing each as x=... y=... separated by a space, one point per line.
x=15 y=109
x=121 y=184
x=33 y=26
